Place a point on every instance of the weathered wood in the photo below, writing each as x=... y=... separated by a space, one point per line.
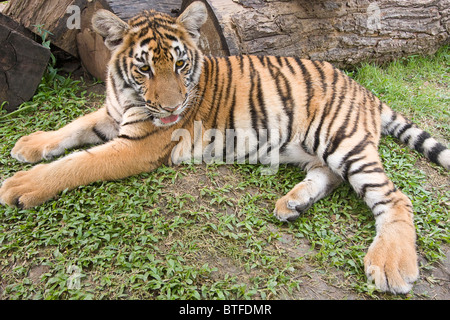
x=51 y=15
x=91 y=49
x=22 y=64
x=126 y=9
x=14 y=25
x=342 y=32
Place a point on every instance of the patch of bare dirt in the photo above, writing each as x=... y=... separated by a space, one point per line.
x=435 y=283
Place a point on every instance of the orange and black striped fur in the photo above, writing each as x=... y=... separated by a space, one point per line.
x=158 y=81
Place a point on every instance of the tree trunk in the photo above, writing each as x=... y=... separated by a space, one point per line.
x=50 y=15
x=345 y=33
x=22 y=64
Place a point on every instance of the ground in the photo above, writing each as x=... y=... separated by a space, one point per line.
x=207 y=231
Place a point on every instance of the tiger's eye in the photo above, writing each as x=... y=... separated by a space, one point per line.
x=179 y=63
x=144 y=68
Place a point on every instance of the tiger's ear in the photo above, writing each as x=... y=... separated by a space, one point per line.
x=110 y=27
x=193 y=17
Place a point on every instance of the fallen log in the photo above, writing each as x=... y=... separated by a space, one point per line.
x=49 y=15
x=22 y=64
x=345 y=33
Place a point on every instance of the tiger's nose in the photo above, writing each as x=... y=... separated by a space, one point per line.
x=171 y=109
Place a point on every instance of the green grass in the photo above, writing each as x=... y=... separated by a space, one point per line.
x=417 y=87
x=207 y=232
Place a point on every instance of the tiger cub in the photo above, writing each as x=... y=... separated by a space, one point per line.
x=314 y=116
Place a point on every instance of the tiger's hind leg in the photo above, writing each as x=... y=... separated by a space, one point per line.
x=391 y=261
x=93 y=128
x=319 y=182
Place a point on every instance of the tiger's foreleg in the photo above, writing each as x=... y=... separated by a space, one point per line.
x=94 y=128
x=116 y=159
x=318 y=183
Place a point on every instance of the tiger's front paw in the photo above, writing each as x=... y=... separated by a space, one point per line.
x=391 y=261
x=37 y=146
x=27 y=189
x=289 y=209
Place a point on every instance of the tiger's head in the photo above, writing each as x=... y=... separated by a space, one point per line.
x=155 y=61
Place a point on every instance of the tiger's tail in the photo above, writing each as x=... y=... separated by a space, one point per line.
x=396 y=125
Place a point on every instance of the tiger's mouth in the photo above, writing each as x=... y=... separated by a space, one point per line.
x=163 y=117
x=168 y=118
x=173 y=118
x=165 y=121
